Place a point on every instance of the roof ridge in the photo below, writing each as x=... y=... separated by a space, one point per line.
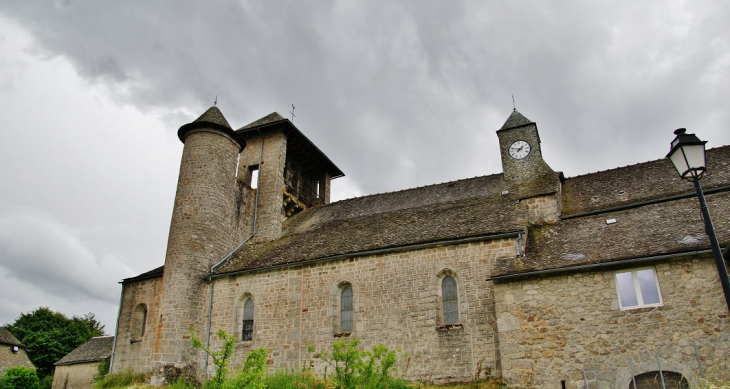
x=636 y=164
x=413 y=188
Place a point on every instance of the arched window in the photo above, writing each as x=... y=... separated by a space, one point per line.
x=653 y=379
x=346 y=309
x=247 y=333
x=139 y=321
x=450 y=300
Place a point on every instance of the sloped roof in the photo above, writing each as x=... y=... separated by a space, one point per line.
x=641 y=182
x=273 y=117
x=662 y=228
x=94 y=350
x=453 y=210
x=6 y=337
x=154 y=273
x=306 y=151
x=516 y=119
x=212 y=118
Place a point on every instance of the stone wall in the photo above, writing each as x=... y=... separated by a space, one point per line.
x=202 y=231
x=271 y=181
x=131 y=349
x=77 y=376
x=551 y=328
x=10 y=358
x=396 y=303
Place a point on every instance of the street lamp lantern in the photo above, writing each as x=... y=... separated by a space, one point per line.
x=688 y=156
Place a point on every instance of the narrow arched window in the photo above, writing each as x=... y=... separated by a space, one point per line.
x=346 y=309
x=450 y=300
x=139 y=321
x=247 y=320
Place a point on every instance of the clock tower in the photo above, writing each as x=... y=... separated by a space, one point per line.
x=519 y=144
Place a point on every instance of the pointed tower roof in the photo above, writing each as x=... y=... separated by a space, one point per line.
x=516 y=119
x=213 y=115
x=213 y=119
x=305 y=149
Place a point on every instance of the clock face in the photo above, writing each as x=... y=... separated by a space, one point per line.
x=520 y=149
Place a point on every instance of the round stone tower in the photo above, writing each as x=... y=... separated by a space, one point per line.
x=201 y=233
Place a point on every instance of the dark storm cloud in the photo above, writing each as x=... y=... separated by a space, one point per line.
x=408 y=87
x=397 y=94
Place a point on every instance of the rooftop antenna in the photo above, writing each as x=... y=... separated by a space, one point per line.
x=513 y=103
x=215 y=103
x=292 y=113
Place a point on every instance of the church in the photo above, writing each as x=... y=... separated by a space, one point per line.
x=543 y=280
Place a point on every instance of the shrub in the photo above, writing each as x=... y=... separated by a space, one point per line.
x=252 y=373
x=19 y=377
x=362 y=369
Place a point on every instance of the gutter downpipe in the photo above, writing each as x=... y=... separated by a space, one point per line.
x=210 y=279
x=116 y=330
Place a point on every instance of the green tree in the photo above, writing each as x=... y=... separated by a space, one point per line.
x=49 y=335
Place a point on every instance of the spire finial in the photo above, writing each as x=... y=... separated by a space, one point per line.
x=292 y=113
x=215 y=103
x=513 y=103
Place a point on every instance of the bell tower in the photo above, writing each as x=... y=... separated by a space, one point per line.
x=292 y=174
x=519 y=144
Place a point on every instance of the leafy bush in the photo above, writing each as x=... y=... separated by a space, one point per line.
x=252 y=373
x=220 y=358
x=362 y=369
x=19 y=377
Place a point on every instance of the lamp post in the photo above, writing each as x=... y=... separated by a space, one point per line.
x=688 y=156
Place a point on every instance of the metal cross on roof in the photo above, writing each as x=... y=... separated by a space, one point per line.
x=215 y=103
x=292 y=113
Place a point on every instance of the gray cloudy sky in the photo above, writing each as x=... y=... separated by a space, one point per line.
x=397 y=93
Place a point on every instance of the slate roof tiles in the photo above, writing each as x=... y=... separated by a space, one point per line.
x=95 y=349
x=453 y=210
x=6 y=337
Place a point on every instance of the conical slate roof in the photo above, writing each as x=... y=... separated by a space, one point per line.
x=516 y=119
x=212 y=118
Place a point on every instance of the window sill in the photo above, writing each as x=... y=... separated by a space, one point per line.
x=641 y=308
x=448 y=327
x=343 y=335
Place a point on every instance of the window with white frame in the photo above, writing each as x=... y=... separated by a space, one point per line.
x=638 y=288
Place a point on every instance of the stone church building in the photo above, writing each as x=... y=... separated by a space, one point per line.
x=544 y=280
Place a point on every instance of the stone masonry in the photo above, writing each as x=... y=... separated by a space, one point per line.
x=551 y=328
x=396 y=303
x=202 y=232
x=10 y=358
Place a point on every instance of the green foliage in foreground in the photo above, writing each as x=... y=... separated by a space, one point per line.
x=122 y=379
x=251 y=374
x=19 y=377
x=362 y=369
